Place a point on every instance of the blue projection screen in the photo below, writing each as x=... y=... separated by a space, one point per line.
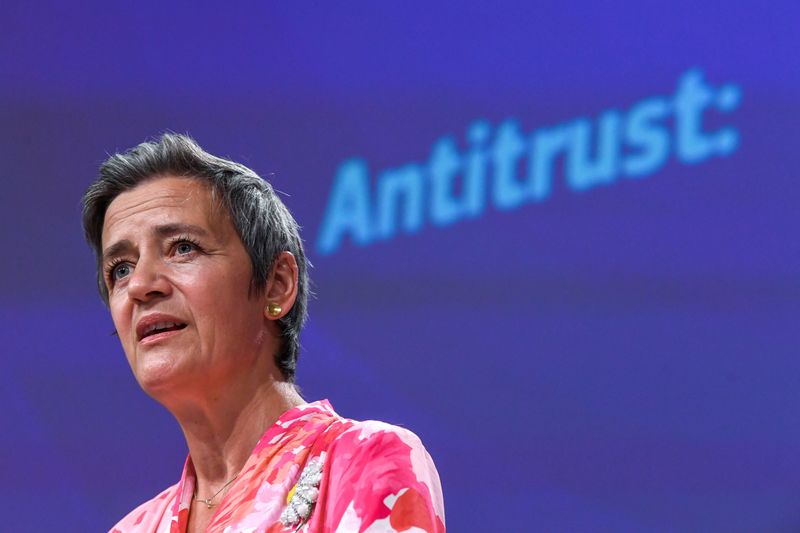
x=556 y=241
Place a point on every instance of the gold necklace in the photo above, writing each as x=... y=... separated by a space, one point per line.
x=208 y=501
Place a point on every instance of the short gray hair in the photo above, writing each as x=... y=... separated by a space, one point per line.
x=262 y=221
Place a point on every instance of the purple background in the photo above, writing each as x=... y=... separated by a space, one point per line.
x=619 y=360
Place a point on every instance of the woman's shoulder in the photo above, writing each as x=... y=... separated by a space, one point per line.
x=381 y=473
x=376 y=433
x=349 y=437
x=376 y=444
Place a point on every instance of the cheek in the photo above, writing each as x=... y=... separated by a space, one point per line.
x=226 y=309
x=215 y=298
x=120 y=316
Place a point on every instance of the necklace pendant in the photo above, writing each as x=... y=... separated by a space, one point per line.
x=207 y=501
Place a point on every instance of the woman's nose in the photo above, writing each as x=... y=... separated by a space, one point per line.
x=148 y=280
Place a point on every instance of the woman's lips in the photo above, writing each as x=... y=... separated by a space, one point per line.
x=161 y=335
x=157 y=322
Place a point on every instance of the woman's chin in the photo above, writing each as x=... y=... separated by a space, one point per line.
x=157 y=375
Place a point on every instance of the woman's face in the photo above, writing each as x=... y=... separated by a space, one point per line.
x=178 y=279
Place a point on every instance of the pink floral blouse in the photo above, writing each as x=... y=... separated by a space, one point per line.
x=314 y=471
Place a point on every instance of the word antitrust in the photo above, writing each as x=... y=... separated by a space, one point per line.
x=515 y=169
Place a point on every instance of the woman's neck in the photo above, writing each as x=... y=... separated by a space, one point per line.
x=222 y=430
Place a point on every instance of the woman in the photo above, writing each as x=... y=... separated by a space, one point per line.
x=204 y=273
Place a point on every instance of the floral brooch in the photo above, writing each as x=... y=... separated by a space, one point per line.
x=301 y=499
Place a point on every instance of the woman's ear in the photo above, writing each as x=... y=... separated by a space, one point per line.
x=281 y=286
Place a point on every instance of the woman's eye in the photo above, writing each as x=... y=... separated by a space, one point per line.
x=120 y=271
x=184 y=248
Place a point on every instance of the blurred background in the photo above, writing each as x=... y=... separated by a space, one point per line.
x=557 y=241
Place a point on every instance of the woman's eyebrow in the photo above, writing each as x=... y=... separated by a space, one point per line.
x=166 y=230
x=118 y=248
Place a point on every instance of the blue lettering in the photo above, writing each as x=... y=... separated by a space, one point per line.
x=546 y=144
x=652 y=140
x=691 y=99
x=393 y=184
x=508 y=191
x=477 y=160
x=727 y=139
x=348 y=210
x=635 y=143
x=582 y=172
x=443 y=167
